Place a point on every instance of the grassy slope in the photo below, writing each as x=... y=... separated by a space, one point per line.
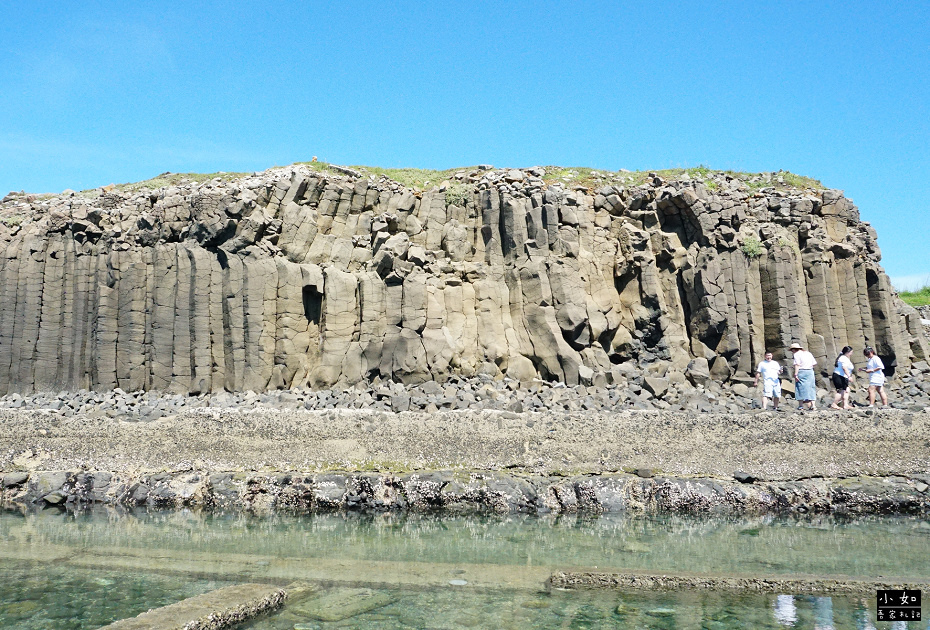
x=582 y=176
x=173 y=179
x=920 y=297
x=424 y=179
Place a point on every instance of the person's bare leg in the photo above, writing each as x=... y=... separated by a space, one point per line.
x=775 y=403
x=881 y=390
x=837 y=397
x=871 y=395
x=846 y=399
x=765 y=402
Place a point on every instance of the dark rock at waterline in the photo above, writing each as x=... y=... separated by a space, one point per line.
x=488 y=491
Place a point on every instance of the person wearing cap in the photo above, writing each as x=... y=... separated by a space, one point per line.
x=805 y=386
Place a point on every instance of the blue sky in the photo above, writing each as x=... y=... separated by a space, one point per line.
x=94 y=93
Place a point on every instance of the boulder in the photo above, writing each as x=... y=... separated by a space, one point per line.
x=520 y=368
x=698 y=372
x=657 y=386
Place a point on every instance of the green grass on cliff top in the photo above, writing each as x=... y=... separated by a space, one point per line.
x=174 y=179
x=920 y=297
x=582 y=176
x=579 y=176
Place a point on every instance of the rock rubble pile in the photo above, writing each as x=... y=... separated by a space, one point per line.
x=672 y=392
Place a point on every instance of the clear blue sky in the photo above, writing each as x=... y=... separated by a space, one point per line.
x=93 y=93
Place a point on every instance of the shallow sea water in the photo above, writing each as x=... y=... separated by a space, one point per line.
x=82 y=570
x=451 y=609
x=64 y=598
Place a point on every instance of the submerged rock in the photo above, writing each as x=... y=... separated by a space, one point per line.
x=342 y=604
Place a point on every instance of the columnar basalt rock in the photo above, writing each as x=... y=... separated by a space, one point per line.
x=326 y=277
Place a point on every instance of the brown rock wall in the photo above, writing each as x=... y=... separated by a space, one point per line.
x=293 y=276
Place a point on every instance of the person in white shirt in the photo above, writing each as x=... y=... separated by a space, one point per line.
x=876 y=370
x=842 y=372
x=771 y=385
x=805 y=388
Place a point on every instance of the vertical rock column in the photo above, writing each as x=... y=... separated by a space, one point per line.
x=131 y=365
x=259 y=290
x=28 y=312
x=233 y=335
x=107 y=325
x=164 y=292
x=9 y=283
x=339 y=325
x=48 y=346
x=201 y=270
x=822 y=320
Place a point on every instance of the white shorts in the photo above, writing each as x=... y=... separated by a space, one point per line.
x=876 y=379
x=771 y=388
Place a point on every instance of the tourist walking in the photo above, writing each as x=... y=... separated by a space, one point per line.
x=805 y=388
x=842 y=372
x=876 y=370
x=769 y=370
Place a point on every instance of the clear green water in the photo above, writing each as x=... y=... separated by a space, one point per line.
x=60 y=570
x=47 y=596
x=449 y=609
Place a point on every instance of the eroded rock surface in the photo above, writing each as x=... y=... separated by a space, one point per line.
x=467 y=492
x=271 y=459
x=298 y=277
x=228 y=607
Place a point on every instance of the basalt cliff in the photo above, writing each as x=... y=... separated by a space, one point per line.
x=327 y=276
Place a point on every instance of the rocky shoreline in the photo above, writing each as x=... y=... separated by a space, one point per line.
x=270 y=457
x=464 y=492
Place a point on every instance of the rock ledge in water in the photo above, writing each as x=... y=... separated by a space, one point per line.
x=225 y=608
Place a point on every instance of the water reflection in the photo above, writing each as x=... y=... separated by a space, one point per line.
x=446 y=608
x=857 y=612
x=786 y=613
x=756 y=545
x=823 y=613
x=142 y=558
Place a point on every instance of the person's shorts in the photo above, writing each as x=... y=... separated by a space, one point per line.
x=840 y=382
x=771 y=388
x=876 y=381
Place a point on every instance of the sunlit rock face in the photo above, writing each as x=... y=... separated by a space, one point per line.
x=302 y=276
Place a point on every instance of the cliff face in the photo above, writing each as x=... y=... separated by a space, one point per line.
x=300 y=275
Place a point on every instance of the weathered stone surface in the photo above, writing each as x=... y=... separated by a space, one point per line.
x=768 y=584
x=342 y=604
x=294 y=277
x=483 y=491
x=240 y=437
x=657 y=386
x=224 y=608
